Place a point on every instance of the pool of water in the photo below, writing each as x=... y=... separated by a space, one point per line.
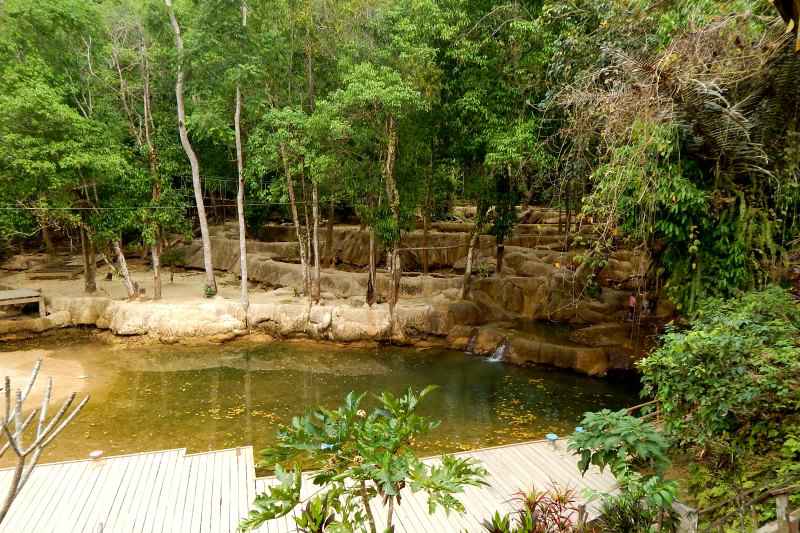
x=212 y=397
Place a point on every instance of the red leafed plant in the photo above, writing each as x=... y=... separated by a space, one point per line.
x=550 y=511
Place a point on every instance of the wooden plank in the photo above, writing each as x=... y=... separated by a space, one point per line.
x=136 y=495
x=35 y=496
x=149 y=511
x=80 y=495
x=124 y=492
x=204 y=500
x=14 y=294
x=195 y=494
x=168 y=508
x=187 y=495
x=218 y=518
x=169 y=491
x=68 y=478
x=150 y=488
x=97 y=509
x=248 y=465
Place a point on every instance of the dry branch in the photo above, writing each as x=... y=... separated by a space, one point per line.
x=46 y=431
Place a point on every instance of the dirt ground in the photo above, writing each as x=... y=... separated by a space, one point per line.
x=185 y=287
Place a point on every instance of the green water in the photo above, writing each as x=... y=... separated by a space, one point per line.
x=212 y=397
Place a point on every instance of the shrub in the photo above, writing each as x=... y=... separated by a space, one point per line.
x=735 y=369
x=626 y=444
x=550 y=511
x=617 y=440
x=359 y=456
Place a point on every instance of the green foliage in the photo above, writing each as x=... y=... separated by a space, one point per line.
x=628 y=445
x=735 y=367
x=640 y=508
x=278 y=500
x=618 y=440
x=359 y=456
x=728 y=389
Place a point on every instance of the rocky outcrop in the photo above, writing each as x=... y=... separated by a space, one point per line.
x=520 y=347
x=283 y=316
x=204 y=318
x=273 y=273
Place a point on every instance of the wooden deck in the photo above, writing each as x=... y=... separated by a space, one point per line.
x=171 y=491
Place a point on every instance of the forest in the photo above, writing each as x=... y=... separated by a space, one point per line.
x=668 y=128
x=672 y=125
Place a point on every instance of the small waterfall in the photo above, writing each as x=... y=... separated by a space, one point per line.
x=473 y=340
x=500 y=352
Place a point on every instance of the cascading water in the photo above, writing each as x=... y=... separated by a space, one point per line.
x=500 y=352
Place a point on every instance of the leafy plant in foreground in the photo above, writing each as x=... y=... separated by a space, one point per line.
x=625 y=444
x=360 y=457
x=618 y=440
x=549 y=511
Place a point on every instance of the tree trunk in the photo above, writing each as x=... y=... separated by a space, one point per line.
x=426 y=221
x=501 y=252
x=394 y=203
x=466 y=285
x=152 y=160
x=315 y=288
x=330 y=253
x=155 y=252
x=372 y=276
x=48 y=241
x=304 y=191
x=211 y=283
x=245 y=299
x=301 y=242
x=123 y=269
x=89 y=262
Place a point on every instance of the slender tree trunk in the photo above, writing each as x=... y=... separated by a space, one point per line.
x=315 y=288
x=301 y=241
x=330 y=253
x=304 y=191
x=15 y=482
x=394 y=203
x=89 y=262
x=155 y=252
x=123 y=268
x=390 y=514
x=152 y=160
x=466 y=286
x=211 y=283
x=372 y=276
x=245 y=299
x=426 y=221
x=501 y=252
x=367 y=508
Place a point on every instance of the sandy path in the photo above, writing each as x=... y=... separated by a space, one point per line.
x=68 y=375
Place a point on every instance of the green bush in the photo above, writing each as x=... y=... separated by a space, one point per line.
x=733 y=371
x=627 y=445
x=729 y=390
x=618 y=440
x=359 y=456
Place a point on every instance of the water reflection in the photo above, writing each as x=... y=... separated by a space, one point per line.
x=206 y=398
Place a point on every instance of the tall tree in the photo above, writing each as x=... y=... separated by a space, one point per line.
x=211 y=283
x=245 y=298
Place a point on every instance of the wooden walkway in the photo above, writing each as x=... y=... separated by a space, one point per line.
x=171 y=491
